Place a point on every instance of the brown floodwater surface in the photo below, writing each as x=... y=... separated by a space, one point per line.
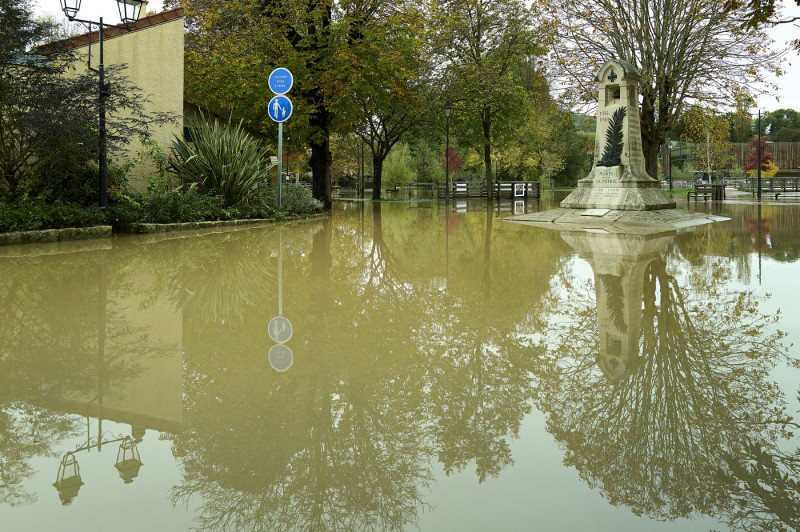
x=405 y=366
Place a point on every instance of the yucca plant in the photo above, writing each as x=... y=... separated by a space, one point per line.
x=223 y=159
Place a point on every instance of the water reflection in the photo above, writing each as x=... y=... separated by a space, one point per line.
x=389 y=372
x=684 y=417
x=63 y=349
x=421 y=339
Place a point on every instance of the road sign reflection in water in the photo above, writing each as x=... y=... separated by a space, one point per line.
x=280 y=329
x=280 y=357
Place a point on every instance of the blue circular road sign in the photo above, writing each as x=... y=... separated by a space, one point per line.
x=280 y=108
x=280 y=80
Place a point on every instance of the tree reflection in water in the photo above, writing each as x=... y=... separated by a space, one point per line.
x=686 y=420
x=396 y=361
x=61 y=338
x=337 y=442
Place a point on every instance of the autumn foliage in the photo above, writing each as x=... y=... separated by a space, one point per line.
x=768 y=168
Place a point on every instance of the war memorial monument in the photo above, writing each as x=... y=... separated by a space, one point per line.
x=618 y=191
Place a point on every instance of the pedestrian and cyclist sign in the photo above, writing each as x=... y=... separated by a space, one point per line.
x=280 y=108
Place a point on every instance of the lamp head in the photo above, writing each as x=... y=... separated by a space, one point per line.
x=448 y=108
x=70 y=8
x=129 y=11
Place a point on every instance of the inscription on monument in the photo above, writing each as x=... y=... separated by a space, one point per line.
x=607 y=176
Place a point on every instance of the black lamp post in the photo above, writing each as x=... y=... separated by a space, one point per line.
x=447 y=110
x=128 y=14
x=758 y=154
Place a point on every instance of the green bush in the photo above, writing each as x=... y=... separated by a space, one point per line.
x=33 y=215
x=173 y=206
x=738 y=171
x=687 y=172
x=294 y=200
x=176 y=206
x=124 y=210
x=398 y=167
x=223 y=159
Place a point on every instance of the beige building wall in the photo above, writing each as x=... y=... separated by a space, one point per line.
x=153 y=52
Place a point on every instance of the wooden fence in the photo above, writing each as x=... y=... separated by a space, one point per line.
x=786 y=155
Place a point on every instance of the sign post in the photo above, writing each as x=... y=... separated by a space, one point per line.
x=280 y=109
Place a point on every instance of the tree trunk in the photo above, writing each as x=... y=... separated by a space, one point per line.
x=487 y=254
x=320 y=160
x=486 y=120
x=649 y=129
x=650 y=150
x=377 y=177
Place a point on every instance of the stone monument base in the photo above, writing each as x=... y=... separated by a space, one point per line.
x=618 y=188
x=634 y=198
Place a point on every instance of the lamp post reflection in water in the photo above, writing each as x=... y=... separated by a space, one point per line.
x=68 y=480
x=280 y=328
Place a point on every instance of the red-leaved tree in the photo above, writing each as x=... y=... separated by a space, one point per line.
x=455 y=162
x=766 y=158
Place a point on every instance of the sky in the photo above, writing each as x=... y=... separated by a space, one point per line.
x=788 y=92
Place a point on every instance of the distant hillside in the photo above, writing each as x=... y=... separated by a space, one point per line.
x=584 y=123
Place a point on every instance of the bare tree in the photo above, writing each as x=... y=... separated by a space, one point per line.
x=686 y=50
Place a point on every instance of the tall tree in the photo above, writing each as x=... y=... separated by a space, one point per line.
x=782 y=125
x=755 y=13
x=686 y=50
x=482 y=42
x=740 y=122
x=232 y=47
x=391 y=67
x=708 y=131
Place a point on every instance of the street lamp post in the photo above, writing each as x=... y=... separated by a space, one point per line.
x=758 y=155
x=129 y=14
x=447 y=110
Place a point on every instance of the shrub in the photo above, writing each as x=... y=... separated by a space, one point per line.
x=33 y=215
x=737 y=171
x=176 y=206
x=687 y=172
x=768 y=169
x=294 y=200
x=397 y=169
x=223 y=159
x=124 y=210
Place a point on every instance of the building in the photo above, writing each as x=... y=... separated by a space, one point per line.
x=153 y=53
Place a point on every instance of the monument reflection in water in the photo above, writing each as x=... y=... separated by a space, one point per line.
x=685 y=417
x=444 y=365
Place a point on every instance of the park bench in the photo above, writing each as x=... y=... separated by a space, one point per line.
x=701 y=191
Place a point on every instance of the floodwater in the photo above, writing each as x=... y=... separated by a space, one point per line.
x=403 y=366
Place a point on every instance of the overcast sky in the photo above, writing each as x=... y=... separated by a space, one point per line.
x=789 y=91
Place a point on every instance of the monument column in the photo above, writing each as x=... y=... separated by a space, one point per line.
x=618 y=179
